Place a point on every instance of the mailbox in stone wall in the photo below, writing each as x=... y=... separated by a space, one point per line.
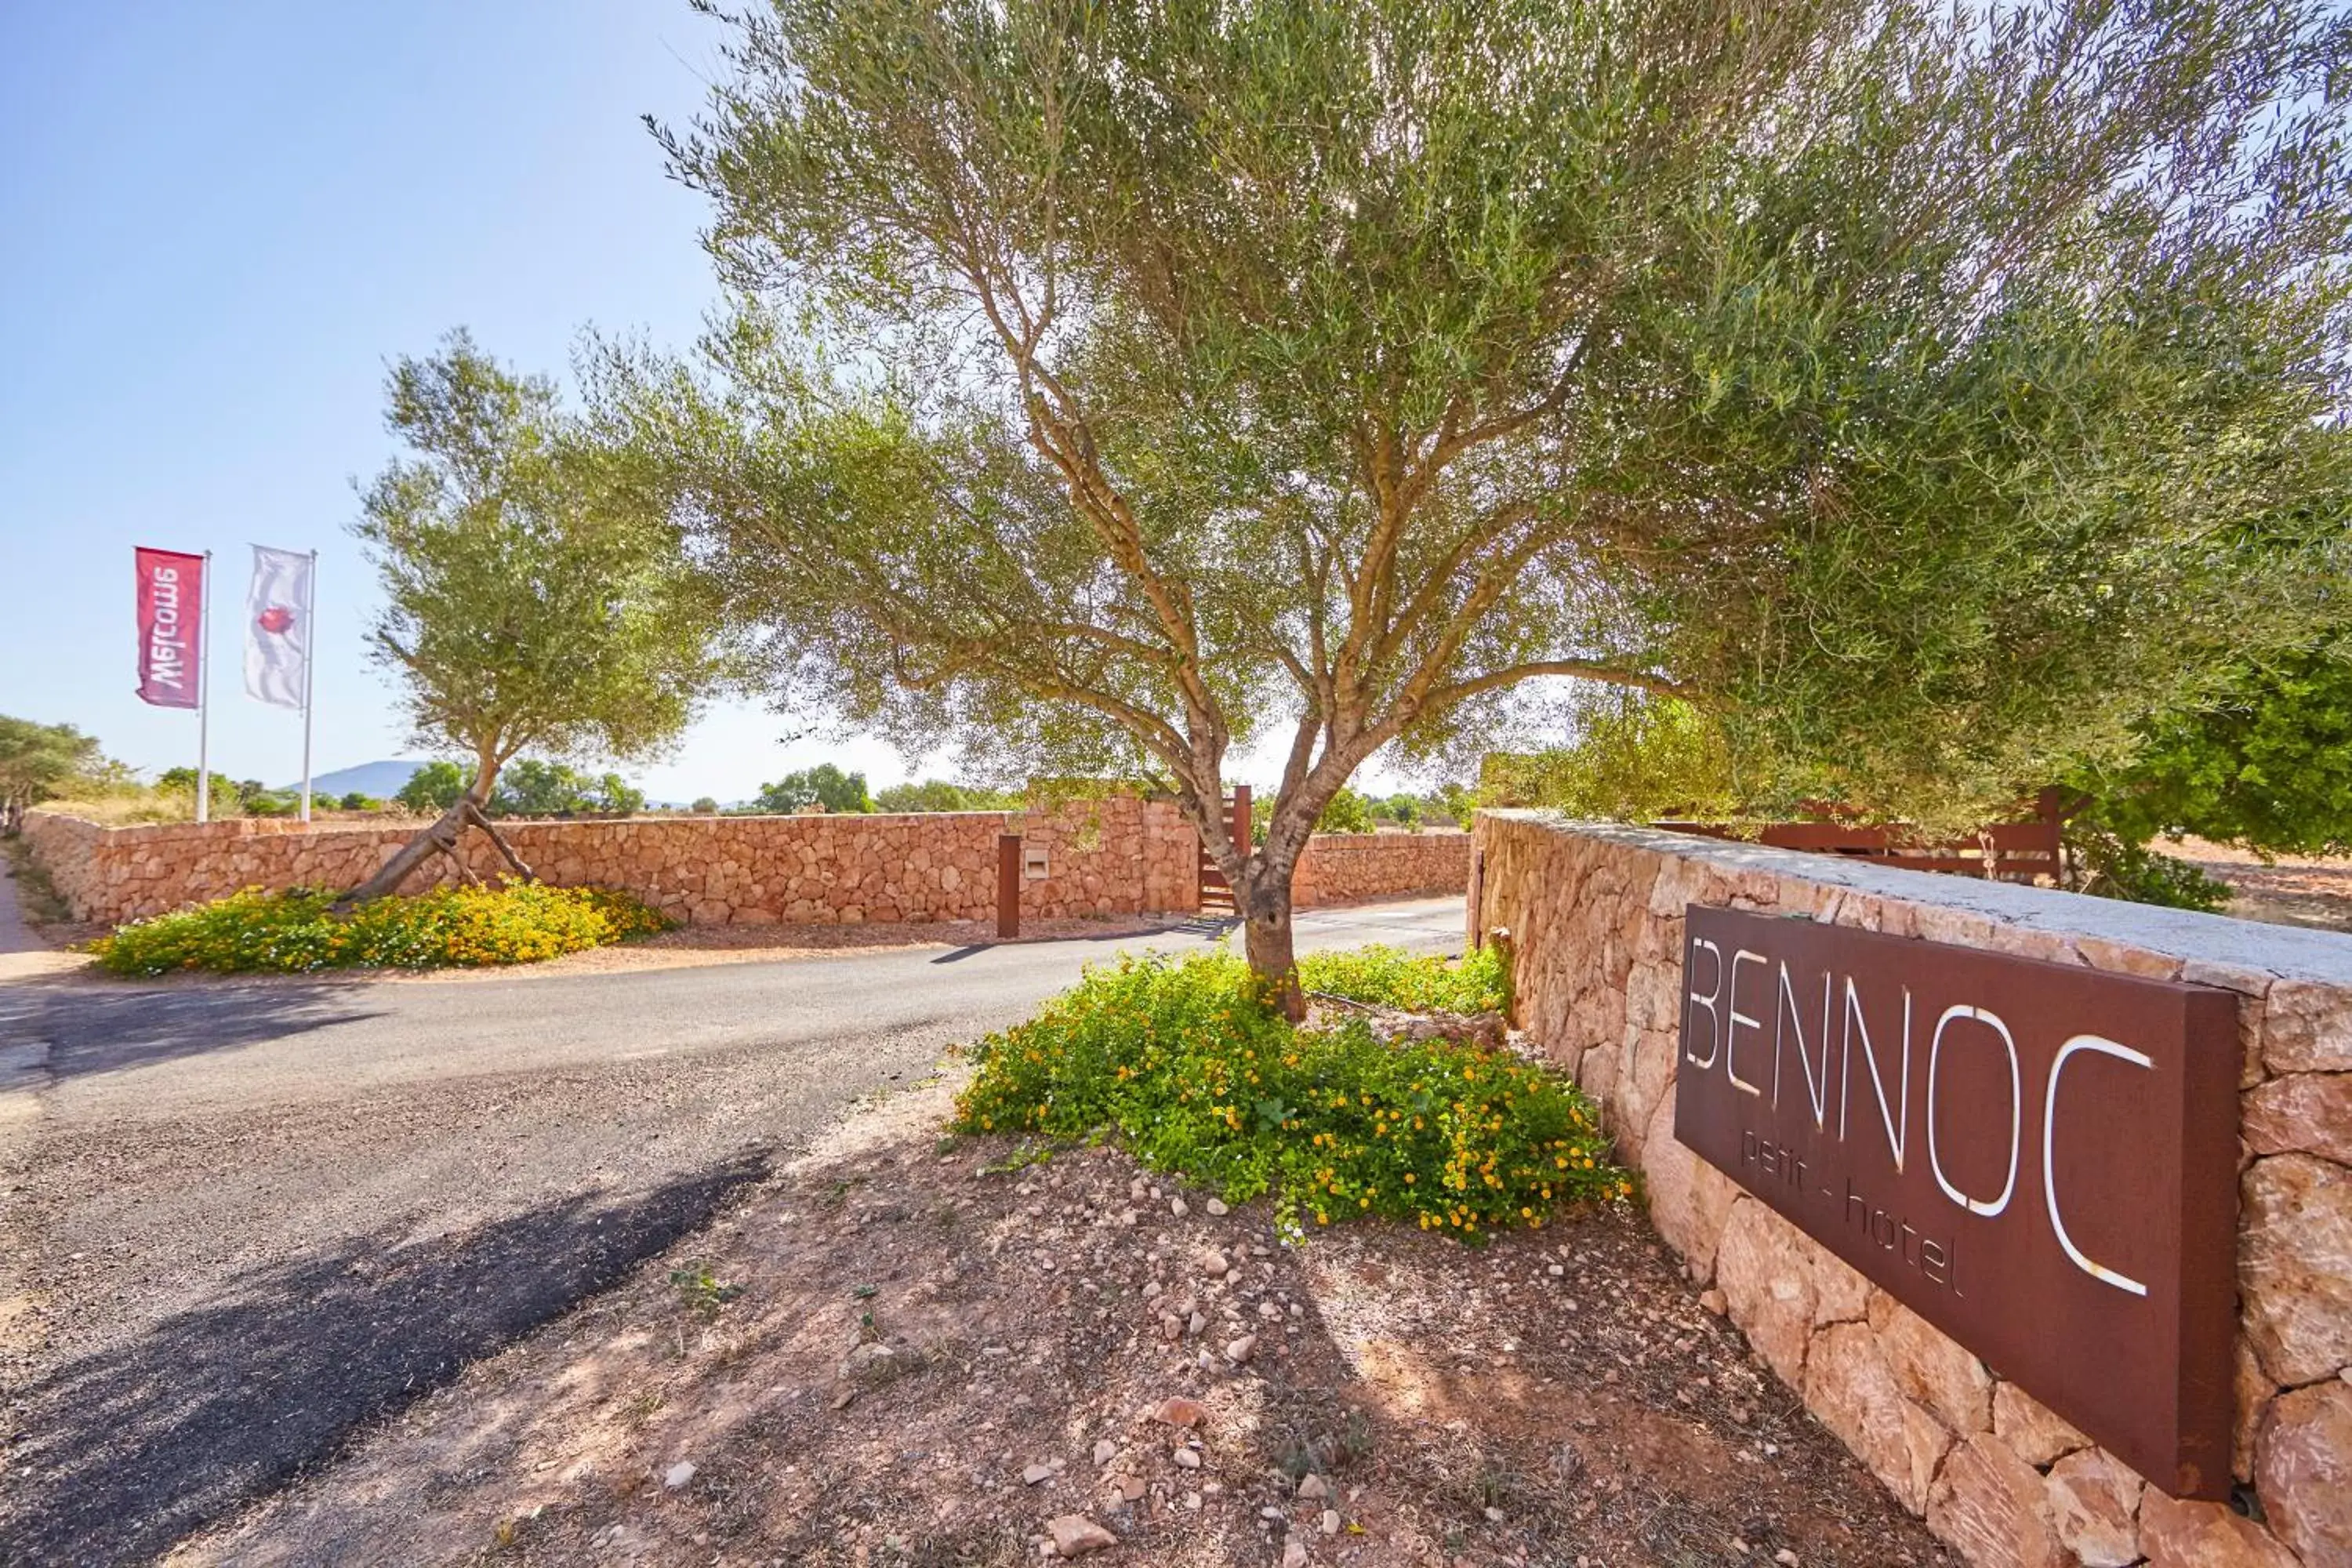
x=2038 y=1158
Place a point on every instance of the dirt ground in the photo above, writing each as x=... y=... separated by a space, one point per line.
x=913 y=1348
x=2298 y=890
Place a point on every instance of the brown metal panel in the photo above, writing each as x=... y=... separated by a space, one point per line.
x=2040 y=1159
x=1477 y=898
x=1008 y=884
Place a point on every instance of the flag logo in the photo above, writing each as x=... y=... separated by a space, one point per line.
x=277 y=632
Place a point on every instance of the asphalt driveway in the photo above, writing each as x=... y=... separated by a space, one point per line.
x=241 y=1221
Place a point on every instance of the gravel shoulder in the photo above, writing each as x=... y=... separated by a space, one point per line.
x=241 y=1222
x=928 y=1351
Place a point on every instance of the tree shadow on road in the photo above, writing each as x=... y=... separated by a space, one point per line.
x=125 y=1452
x=93 y=1029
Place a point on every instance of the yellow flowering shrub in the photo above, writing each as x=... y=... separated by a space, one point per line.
x=1392 y=977
x=1336 y=1123
x=294 y=933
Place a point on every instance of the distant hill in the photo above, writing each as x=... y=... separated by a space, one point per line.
x=381 y=780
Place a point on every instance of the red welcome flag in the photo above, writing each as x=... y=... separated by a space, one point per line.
x=171 y=627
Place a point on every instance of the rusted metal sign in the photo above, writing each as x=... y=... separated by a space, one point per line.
x=2040 y=1159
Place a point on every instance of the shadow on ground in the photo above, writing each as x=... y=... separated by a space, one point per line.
x=94 y=1028
x=124 y=1452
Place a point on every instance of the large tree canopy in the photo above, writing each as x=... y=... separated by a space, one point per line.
x=37 y=763
x=533 y=600
x=1115 y=383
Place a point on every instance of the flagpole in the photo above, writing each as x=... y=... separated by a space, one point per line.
x=205 y=697
x=310 y=659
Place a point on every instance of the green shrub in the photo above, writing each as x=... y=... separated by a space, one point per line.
x=1392 y=977
x=2109 y=865
x=293 y=932
x=1180 y=1059
x=1346 y=812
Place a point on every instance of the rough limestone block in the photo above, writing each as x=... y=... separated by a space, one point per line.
x=1991 y=1507
x=1931 y=1368
x=2306 y=1028
x=2303 y=1470
x=2294 y=1265
x=1840 y=1295
x=2123 y=959
x=2205 y=1535
x=1689 y=1199
x=1768 y=1286
x=2306 y=1113
x=1848 y=1385
x=2094 y=1504
x=2255 y=1391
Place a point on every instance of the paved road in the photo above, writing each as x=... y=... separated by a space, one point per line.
x=247 y=1219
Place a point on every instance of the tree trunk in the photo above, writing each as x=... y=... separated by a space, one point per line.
x=441 y=838
x=1265 y=902
x=481 y=819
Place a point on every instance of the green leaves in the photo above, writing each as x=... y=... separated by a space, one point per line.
x=295 y=933
x=2266 y=763
x=1923 y=394
x=533 y=787
x=535 y=595
x=1180 y=1058
x=38 y=761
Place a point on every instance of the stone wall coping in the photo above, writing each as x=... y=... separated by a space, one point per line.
x=2289 y=953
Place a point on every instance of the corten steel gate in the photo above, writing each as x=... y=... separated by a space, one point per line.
x=2006 y=851
x=1216 y=896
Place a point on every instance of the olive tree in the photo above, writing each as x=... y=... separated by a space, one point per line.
x=532 y=598
x=37 y=761
x=1113 y=387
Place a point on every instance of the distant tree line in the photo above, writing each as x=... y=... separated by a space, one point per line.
x=527 y=787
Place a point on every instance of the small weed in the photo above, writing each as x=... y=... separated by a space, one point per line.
x=701 y=1292
x=1495 y=1484
x=642 y=1409
x=36 y=894
x=1026 y=1155
x=866 y=1292
x=1355 y=1436
x=841 y=1190
x=1299 y=1458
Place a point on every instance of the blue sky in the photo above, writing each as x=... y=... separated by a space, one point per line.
x=216 y=225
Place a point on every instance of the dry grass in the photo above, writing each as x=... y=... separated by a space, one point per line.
x=132 y=807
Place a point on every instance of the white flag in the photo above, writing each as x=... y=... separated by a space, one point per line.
x=277 y=627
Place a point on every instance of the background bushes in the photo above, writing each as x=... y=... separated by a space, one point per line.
x=293 y=933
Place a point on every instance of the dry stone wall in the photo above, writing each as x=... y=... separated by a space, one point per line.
x=1596 y=912
x=1348 y=868
x=1119 y=856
